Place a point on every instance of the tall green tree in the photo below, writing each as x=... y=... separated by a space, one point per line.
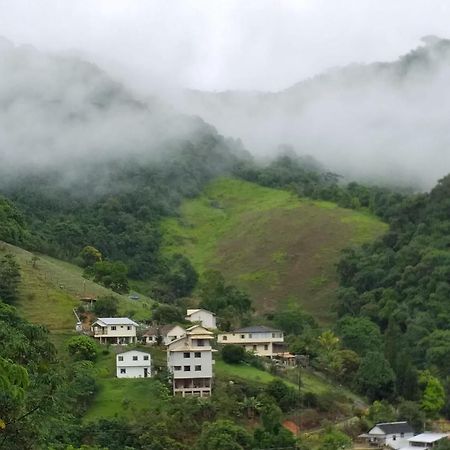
x=9 y=278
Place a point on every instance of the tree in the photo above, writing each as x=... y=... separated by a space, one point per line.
x=233 y=354
x=294 y=321
x=375 y=377
x=90 y=255
x=285 y=396
x=165 y=314
x=360 y=334
x=444 y=444
x=438 y=350
x=433 y=398
x=82 y=348
x=112 y=274
x=411 y=412
x=381 y=411
x=335 y=440
x=106 y=306
x=9 y=278
x=180 y=275
x=224 y=435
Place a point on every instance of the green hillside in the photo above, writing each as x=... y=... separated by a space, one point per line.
x=280 y=248
x=50 y=289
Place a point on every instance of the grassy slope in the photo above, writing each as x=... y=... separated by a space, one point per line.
x=280 y=248
x=123 y=397
x=49 y=291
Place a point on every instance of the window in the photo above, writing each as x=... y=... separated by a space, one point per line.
x=121 y=326
x=255 y=347
x=186 y=355
x=120 y=358
x=198 y=368
x=113 y=328
x=135 y=358
x=123 y=370
x=197 y=355
x=249 y=335
x=266 y=347
x=242 y=336
x=150 y=338
x=187 y=368
x=200 y=343
x=177 y=368
x=273 y=335
x=145 y=357
x=129 y=327
x=224 y=338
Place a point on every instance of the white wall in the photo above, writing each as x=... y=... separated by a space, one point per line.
x=204 y=361
x=134 y=368
x=120 y=331
x=207 y=319
x=133 y=372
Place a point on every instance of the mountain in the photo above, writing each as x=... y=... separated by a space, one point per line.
x=384 y=121
x=281 y=249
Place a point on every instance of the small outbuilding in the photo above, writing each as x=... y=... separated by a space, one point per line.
x=134 y=364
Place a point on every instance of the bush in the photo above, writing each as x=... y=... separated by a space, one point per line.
x=106 y=306
x=233 y=354
x=82 y=348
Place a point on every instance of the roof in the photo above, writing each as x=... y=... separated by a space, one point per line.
x=394 y=427
x=428 y=438
x=116 y=321
x=133 y=351
x=189 y=312
x=198 y=329
x=159 y=330
x=256 y=329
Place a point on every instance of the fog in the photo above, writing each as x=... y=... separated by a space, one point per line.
x=302 y=73
x=385 y=123
x=58 y=111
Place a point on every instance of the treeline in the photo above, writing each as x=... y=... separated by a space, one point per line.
x=307 y=178
x=114 y=207
x=401 y=284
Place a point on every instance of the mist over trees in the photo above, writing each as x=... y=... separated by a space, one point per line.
x=381 y=122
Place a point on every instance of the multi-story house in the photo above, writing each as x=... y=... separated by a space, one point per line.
x=133 y=364
x=162 y=334
x=190 y=361
x=259 y=339
x=114 y=330
x=206 y=318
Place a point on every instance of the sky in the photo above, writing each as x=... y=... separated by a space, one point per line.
x=221 y=45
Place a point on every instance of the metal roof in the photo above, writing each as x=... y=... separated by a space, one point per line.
x=395 y=427
x=116 y=321
x=428 y=438
x=256 y=329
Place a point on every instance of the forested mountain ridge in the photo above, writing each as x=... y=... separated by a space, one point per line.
x=381 y=121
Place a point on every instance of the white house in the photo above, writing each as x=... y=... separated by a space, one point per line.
x=163 y=334
x=261 y=340
x=134 y=364
x=206 y=318
x=426 y=440
x=190 y=361
x=392 y=434
x=114 y=330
